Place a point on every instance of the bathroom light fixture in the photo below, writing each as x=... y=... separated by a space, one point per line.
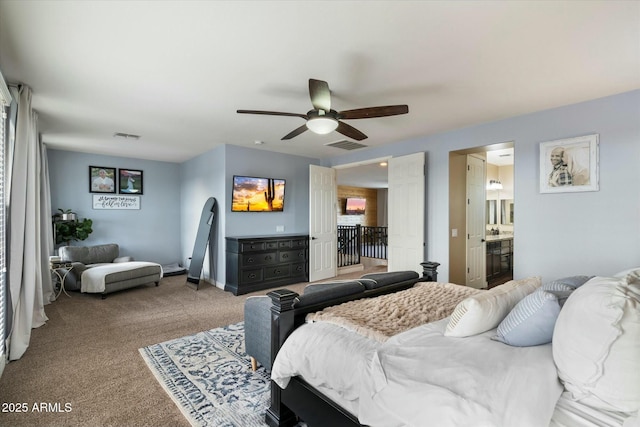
x=322 y=124
x=494 y=184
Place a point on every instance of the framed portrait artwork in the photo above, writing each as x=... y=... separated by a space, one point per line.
x=102 y=179
x=569 y=165
x=130 y=181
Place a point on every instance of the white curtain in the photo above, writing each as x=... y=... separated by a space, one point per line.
x=30 y=237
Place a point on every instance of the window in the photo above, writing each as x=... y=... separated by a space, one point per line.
x=5 y=99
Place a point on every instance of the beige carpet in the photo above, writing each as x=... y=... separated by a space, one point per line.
x=84 y=365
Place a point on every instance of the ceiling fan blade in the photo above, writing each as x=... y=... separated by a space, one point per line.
x=320 y=94
x=272 y=113
x=350 y=131
x=370 y=112
x=295 y=132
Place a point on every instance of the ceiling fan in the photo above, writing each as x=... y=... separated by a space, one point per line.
x=322 y=119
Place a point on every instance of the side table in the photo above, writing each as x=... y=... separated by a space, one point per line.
x=66 y=267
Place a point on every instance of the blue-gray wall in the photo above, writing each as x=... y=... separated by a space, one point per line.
x=200 y=178
x=555 y=234
x=293 y=169
x=211 y=175
x=151 y=233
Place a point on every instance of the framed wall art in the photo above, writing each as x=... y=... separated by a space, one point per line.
x=101 y=201
x=102 y=179
x=130 y=181
x=569 y=165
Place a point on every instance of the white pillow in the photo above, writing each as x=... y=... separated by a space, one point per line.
x=482 y=312
x=596 y=344
x=633 y=271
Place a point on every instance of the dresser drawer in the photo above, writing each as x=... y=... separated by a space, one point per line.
x=252 y=246
x=271 y=245
x=251 y=276
x=300 y=243
x=293 y=256
x=299 y=269
x=263 y=258
x=277 y=271
x=284 y=244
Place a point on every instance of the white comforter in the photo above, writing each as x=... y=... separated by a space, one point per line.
x=421 y=377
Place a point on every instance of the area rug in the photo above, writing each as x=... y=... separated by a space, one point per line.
x=208 y=375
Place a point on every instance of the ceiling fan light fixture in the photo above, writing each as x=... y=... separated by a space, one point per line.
x=322 y=125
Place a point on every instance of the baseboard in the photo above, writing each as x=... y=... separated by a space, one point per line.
x=203 y=282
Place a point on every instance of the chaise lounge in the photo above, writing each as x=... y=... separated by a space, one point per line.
x=100 y=269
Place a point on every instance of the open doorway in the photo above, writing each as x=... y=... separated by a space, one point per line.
x=362 y=216
x=486 y=215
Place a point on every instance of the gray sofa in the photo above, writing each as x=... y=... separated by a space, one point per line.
x=257 y=309
x=129 y=275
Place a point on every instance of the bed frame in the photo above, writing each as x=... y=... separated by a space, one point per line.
x=300 y=401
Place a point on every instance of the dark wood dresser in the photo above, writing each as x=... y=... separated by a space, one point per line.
x=499 y=260
x=262 y=262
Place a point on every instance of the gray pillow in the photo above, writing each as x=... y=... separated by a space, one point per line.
x=532 y=320
x=574 y=281
x=557 y=286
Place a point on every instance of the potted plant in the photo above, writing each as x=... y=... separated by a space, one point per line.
x=66 y=215
x=67 y=227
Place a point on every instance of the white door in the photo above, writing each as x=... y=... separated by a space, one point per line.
x=323 y=228
x=476 y=200
x=406 y=212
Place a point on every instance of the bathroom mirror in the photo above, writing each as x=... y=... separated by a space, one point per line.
x=492 y=212
x=506 y=212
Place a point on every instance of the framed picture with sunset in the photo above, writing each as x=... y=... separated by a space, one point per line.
x=355 y=206
x=255 y=194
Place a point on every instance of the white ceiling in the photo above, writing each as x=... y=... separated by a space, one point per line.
x=175 y=72
x=371 y=175
x=502 y=157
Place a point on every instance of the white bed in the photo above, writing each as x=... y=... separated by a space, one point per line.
x=424 y=376
x=371 y=379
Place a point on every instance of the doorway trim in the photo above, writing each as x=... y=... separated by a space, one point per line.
x=457 y=207
x=362 y=163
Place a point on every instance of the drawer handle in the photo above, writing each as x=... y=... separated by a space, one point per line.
x=267 y=258
x=250 y=260
x=285 y=255
x=252 y=276
x=276 y=271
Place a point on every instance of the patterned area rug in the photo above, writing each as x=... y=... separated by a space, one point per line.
x=209 y=377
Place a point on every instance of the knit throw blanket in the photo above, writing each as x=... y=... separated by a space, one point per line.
x=382 y=317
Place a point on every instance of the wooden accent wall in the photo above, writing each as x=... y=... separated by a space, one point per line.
x=370 y=218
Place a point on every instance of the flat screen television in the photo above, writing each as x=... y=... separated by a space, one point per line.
x=254 y=194
x=355 y=206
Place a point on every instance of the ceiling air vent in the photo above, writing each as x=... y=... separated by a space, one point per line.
x=346 y=145
x=125 y=135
